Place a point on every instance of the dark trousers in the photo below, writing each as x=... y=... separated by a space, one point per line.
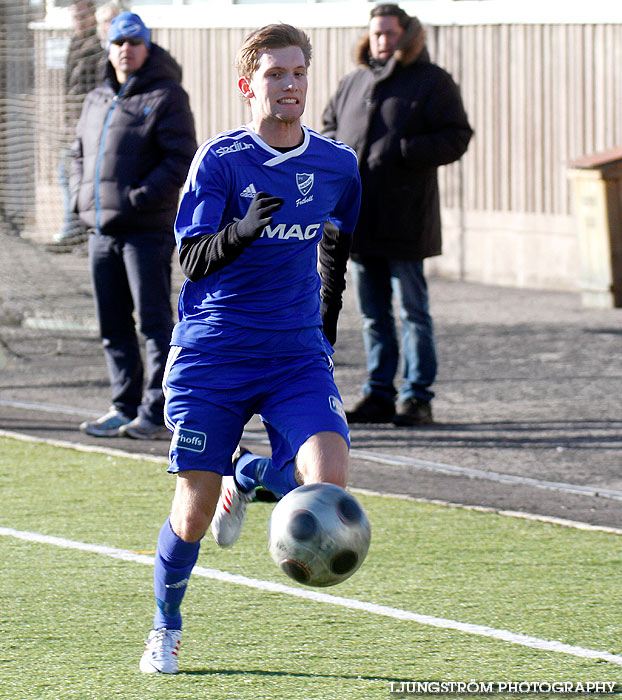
x=377 y=280
x=133 y=273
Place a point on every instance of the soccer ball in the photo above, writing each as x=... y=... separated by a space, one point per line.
x=318 y=534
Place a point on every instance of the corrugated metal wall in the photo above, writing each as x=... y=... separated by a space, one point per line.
x=537 y=96
x=208 y=55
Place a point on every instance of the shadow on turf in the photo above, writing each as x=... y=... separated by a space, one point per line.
x=284 y=674
x=617 y=690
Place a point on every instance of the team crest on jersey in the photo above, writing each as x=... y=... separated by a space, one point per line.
x=304 y=182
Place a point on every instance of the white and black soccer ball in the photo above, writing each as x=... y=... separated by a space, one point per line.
x=318 y=534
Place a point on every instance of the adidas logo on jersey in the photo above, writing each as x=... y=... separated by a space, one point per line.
x=249 y=191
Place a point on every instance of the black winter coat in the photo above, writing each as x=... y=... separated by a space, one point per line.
x=404 y=120
x=83 y=72
x=133 y=149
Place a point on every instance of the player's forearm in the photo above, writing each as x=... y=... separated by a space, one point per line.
x=334 y=251
x=200 y=256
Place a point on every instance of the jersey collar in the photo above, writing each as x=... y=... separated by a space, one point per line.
x=277 y=156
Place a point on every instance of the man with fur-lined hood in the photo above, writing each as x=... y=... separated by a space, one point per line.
x=404 y=117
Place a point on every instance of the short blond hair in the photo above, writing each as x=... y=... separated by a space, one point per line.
x=272 y=36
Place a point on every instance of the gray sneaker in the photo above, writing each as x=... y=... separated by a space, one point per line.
x=107 y=425
x=143 y=429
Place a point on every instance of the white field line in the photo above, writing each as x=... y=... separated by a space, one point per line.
x=252 y=436
x=499 y=477
x=50 y=408
x=315 y=596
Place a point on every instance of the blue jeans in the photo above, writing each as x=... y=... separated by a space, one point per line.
x=133 y=272
x=376 y=280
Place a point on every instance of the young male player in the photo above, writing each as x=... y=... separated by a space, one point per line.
x=254 y=330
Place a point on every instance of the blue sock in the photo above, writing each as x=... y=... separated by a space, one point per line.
x=175 y=559
x=252 y=471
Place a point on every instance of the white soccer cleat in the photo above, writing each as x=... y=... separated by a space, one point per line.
x=230 y=512
x=160 y=655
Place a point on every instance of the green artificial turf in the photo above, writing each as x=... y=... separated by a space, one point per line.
x=72 y=622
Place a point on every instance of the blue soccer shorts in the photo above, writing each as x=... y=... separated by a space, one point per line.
x=210 y=399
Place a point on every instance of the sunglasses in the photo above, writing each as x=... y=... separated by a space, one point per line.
x=131 y=40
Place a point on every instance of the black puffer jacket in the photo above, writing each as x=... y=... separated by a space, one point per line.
x=133 y=149
x=83 y=72
x=403 y=119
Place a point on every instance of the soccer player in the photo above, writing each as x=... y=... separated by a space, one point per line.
x=255 y=332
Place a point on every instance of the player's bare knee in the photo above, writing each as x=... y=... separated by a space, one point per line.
x=337 y=475
x=196 y=496
x=299 y=476
x=190 y=526
x=323 y=458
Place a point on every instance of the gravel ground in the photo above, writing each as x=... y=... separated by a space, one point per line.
x=528 y=399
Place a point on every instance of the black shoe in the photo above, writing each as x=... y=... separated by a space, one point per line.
x=265 y=495
x=372 y=408
x=413 y=412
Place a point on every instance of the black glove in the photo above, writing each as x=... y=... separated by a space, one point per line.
x=202 y=255
x=258 y=216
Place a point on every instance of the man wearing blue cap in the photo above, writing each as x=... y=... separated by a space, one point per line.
x=135 y=141
x=128 y=45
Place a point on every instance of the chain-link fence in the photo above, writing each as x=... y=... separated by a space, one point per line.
x=44 y=77
x=17 y=124
x=45 y=73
